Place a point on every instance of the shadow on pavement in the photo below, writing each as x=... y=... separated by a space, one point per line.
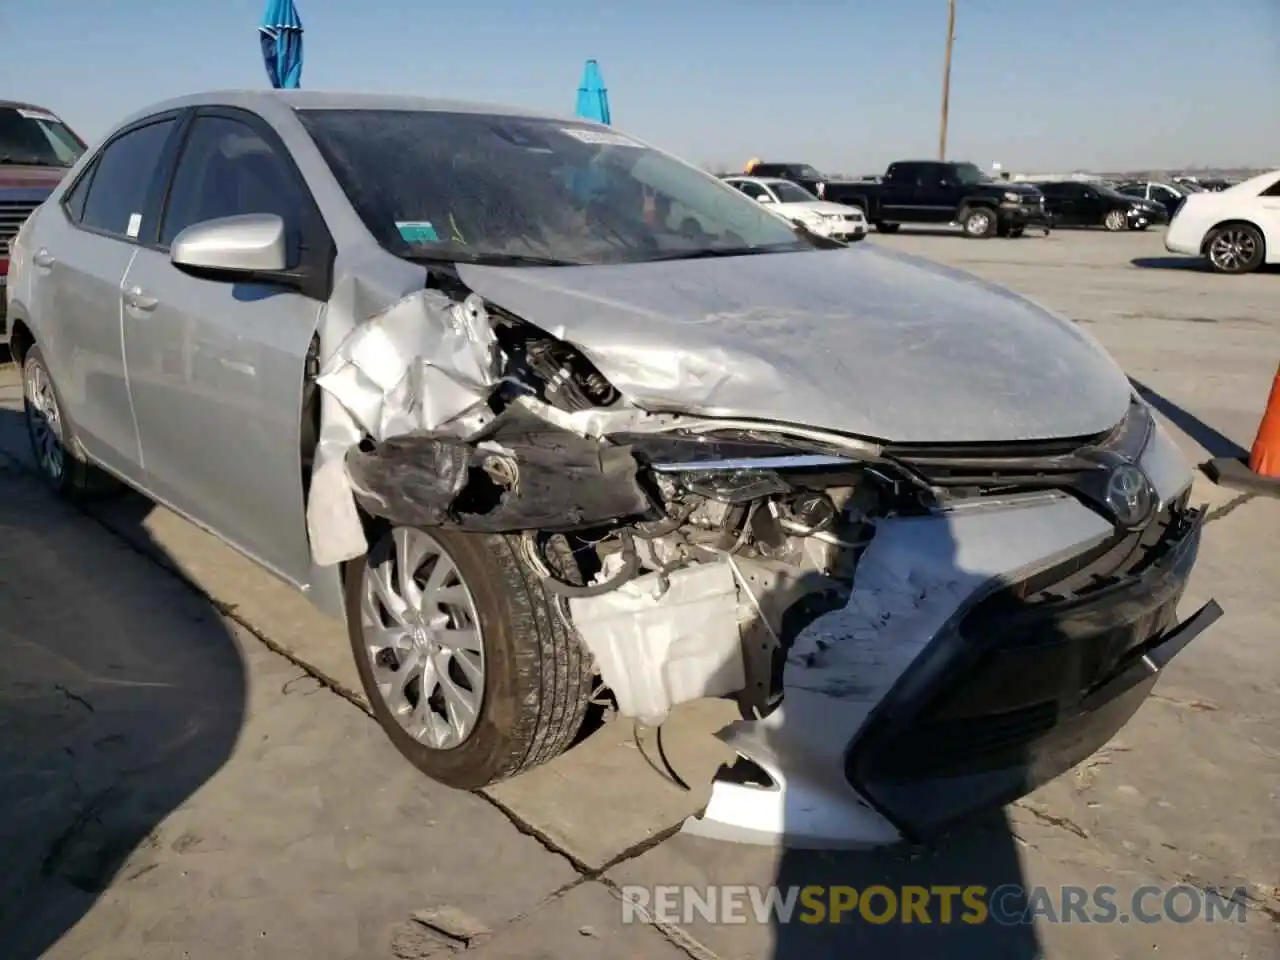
x=121 y=693
x=982 y=853
x=1216 y=444
x=1194 y=264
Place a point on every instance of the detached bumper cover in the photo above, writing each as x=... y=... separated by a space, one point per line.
x=1027 y=685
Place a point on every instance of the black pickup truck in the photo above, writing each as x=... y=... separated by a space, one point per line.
x=929 y=192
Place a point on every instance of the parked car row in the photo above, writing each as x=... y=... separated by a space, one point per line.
x=572 y=446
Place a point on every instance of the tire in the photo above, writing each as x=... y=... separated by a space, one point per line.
x=534 y=680
x=888 y=227
x=53 y=445
x=1235 y=248
x=979 y=223
x=1115 y=221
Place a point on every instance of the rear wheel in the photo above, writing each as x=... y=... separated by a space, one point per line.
x=978 y=222
x=463 y=655
x=1235 y=248
x=53 y=445
x=1115 y=221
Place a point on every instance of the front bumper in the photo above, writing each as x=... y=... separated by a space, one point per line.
x=1017 y=693
x=983 y=651
x=1024 y=215
x=843 y=229
x=1151 y=218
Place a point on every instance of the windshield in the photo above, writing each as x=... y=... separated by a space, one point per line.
x=789 y=192
x=37 y=138
x=970 y=173
x=498 y=189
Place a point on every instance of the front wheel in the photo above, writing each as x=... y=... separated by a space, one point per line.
x=463 y=655
x=979 y=223
x=1235 y=248
x=1115 y=221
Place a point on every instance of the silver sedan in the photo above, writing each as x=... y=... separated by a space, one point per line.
x=549 y=417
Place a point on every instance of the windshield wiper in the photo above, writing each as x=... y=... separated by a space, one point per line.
x=714 y=252
x=491 y=259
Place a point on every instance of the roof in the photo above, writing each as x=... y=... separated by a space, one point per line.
x=266 y=101
x=19 y=105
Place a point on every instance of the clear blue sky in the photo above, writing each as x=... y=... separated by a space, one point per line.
x=844 y=84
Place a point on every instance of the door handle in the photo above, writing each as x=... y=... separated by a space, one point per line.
x=138 y=300
x=43 y=259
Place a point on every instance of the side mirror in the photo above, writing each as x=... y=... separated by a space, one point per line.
x=252 y=243
x=764 y=198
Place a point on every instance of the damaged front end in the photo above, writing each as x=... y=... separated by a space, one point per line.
x=708 y=557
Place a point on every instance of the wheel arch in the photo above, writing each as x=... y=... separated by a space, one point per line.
x=21 y=339
x=1269 y=243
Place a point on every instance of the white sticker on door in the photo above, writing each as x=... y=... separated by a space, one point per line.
x=135 y=226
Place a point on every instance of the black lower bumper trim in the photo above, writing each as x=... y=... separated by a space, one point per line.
x=1017 y=698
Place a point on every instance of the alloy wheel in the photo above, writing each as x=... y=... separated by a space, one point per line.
x=1115 y=220
x=1233 y=249
x=423 y=638
x=44 y=423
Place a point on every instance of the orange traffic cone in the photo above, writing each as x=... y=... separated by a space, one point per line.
x=1262 y=473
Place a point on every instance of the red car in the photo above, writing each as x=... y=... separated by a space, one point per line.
x=36 y=151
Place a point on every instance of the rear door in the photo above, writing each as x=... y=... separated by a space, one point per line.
x=937 y=195
x=216 y=366
x=81 y=250
x=898 y=192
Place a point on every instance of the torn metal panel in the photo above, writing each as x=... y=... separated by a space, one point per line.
x=914 y=352
x=419 y=365
x=391 y=363
x=549 y=481
x=662 y=640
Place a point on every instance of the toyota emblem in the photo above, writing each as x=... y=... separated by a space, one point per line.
x=1129 y=495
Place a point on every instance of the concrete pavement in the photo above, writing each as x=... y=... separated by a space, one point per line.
x=240 y=805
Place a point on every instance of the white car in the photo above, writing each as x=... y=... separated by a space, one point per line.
x=1238 y=229
x=796 y=203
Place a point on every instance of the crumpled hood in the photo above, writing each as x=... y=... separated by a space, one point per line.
x=862 y=341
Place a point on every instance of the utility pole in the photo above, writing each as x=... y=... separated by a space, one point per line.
x=946 y=78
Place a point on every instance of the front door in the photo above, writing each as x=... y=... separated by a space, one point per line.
x=216 y=367
x=80 y=255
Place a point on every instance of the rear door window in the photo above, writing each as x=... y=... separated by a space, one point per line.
x=125 y=175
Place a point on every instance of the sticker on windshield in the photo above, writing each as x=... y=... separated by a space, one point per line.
x=417 y=231
x=601 y=138
x=38 y=115
x=135 y=226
